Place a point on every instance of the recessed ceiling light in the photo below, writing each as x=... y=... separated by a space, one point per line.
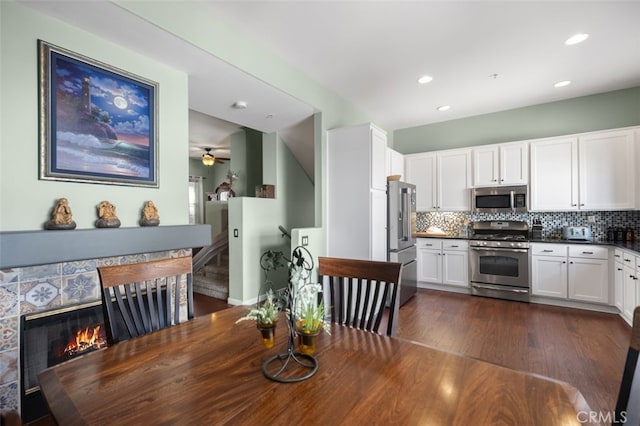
x=239 y=105
x=425 y=79
x=577 y=38
x=562 y=83
x=444 y=108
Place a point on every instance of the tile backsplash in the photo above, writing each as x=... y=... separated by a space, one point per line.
x=552 y=222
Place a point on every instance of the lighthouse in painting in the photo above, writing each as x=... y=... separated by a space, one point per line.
x=86 y=95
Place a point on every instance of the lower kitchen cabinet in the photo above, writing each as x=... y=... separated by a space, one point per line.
x=568 y=271
x=630 y=283
x=589 y=280
x=549 y=276
x=618 y=280
x=443 y=261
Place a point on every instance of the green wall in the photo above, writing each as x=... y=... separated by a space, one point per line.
x=25 y=201
x=596 y=112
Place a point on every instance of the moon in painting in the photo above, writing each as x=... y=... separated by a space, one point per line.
x=120 y=102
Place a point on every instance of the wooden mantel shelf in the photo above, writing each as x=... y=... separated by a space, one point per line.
x=29 y=248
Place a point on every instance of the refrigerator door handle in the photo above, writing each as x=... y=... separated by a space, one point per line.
x=406 y=217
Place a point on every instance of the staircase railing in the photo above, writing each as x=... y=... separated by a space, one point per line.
x=219 y=244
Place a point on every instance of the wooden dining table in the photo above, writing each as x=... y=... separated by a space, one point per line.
x=209 y=371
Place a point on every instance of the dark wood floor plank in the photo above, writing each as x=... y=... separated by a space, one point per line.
x=584 y=348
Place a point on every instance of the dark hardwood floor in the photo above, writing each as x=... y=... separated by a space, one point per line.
x=584 y=348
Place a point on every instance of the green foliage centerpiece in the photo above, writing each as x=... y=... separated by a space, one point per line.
x=305 y=318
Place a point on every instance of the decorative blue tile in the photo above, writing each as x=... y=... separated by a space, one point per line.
x=39 y=295
x=9 y=396
x=9 y=300
x=10 y=275
x=70 y=268
x=41 y=271
x=8 y=366
x=8 y=334
x=80 y=288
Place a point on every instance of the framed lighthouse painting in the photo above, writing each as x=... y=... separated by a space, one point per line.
x=98 y=123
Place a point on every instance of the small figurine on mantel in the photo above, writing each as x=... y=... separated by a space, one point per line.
x=149 y=215
x=61 y=217
x=107 y=216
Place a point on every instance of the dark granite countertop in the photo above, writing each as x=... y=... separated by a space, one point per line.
x=631 y=245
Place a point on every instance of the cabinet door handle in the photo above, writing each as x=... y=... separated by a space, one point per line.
x=581 y=204
x=587 y=252
x=627 y=260
x=619 y=269
x=616 y=255
x=454 y=246
x=564 y=261
x=573 y=205
x=570 y=263
x=428 y=245
x=547 y=251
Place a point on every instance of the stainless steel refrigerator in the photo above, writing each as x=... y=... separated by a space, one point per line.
x=401 y=228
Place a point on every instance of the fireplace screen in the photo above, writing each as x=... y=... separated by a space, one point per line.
x=52 y=337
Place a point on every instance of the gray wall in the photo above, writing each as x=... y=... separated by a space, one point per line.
x=596 y=112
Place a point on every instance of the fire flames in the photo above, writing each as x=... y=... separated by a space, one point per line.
x=86 y=340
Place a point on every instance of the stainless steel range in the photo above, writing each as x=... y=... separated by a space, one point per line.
x=499 y=260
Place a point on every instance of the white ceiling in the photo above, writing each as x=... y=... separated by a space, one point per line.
x=372 y=52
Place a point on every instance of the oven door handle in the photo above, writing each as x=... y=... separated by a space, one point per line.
x=499 y=288
x=512 y=250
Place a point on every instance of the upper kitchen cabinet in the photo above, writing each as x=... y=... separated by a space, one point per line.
x=606 y=170
x=395 y=163
x=502 y=164
x=442 y=179
x=356 y=192
x=587 y=172
x=554 y=174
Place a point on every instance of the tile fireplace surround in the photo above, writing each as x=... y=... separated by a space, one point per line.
x=41 y=270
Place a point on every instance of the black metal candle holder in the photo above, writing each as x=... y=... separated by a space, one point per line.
x=307 y=363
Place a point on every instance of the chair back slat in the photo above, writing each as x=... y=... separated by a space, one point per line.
x=144 y=297
x=375 y=285
x=628 y=403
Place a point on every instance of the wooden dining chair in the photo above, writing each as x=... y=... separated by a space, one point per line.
x=359 y=291
x=628 y=405
x=140 y=298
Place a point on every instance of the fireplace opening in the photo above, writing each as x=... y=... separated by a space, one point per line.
x=51 y=337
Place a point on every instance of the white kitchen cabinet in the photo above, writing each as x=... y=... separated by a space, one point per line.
x=618 y=279
x=356 y=193
x=420 y=170
x=549 y=270
x=443 y=261
x=442 y=179
x=429 y=259
x=629 y=292
x=554 y=174
x=607 y=167
x=502 y=164
x=572 y=271
x=395 y=163
x=588 y=172
x=589 y=273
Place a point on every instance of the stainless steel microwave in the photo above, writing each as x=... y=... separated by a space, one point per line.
x=500 y=199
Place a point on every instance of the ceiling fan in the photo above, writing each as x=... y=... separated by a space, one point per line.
x=208 y=159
